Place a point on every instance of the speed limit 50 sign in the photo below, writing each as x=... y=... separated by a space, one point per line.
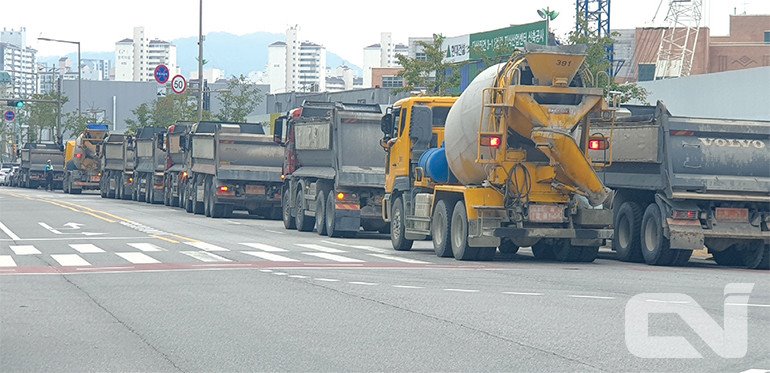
x=178 y=84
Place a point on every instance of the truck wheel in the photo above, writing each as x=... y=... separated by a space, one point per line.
x=103 y=187
x=588 y=254
x=398 y=227
x=656 y=247
x=331 y=218
x=320 y=213
x=757 y=256
x=140 y=197
x=459 y=233
x=304 y=222
x=207 y=203
x=216 y=210
x=440 y=229
x=188 y=204
x=198 y=206
x=626 y=240
x=508 y=247
x=384 y=229
x=288 y=220
x=543 y=249
x=564 y=252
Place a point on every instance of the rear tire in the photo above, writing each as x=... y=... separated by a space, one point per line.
x=198 y=206
x=757 y=257
x=440 y=229
x=543 y=250
x=331 y=218
x=626 y=241
x=320 y=213
x=507 y=247
x=398 y=227
x=304 y=223
x=288 y=220
x=656 y=248
x=459 y=232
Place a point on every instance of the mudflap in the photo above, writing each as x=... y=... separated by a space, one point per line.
x=685 y=234
x=347 y=220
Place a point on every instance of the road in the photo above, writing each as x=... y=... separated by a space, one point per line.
x=90 y=284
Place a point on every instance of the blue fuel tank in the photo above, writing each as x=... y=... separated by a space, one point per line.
x=435 y=164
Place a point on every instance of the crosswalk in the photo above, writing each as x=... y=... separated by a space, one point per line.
x=102 y=254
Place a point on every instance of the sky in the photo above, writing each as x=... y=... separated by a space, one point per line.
x=344 y=27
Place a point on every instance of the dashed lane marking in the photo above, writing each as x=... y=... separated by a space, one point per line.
x=138 y=258
x=264 y=247
x=24 y=250
x=320 y=248
x=10 y=234
x=146 y=247
x=747 y=304
x=326 y=279
x=276 y=232
x=667 y=301
x=206 y=246
x=269 y=256
x=362 y=247
x=280 y=273
x=7 y=261
x=336 y=258
x=362 y=283
x=70 y=260
x=86 y=248
x=408 y=287
x=590 y=296
x=398 y=259
x=298 y=276
x=204 y=256
x=521 y=293
x=463 y=290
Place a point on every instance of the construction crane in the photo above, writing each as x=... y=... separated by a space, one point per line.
x=679 y=39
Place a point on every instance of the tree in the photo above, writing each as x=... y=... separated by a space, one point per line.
x=238 y=100
x=143 y=115
x=434 y=75
x=44 y=115
x=74 y=123
x=174 y=108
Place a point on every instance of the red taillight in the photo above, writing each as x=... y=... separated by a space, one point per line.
x=79 y=155
x=682 y=133
x=492 y=141
x=597 y=144
x=224 y=189
x=685 y=214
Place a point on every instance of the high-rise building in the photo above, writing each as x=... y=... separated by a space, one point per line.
x=137 y=58
x=382 y=54
x=296 y=65
x=19 y=61
x=276 y=67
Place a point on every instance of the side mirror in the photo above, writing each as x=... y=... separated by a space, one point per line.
x=386 y=124
x=278 y=129
x=183 y=142
x=159 y=143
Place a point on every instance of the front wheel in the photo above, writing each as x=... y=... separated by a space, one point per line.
x=398 y=227
x=288 y=220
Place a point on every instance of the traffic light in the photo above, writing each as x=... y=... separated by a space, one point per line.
x=15 y=103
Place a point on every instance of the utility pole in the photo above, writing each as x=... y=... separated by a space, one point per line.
x=200 y=62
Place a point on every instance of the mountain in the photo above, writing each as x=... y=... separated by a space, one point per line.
x=235 y=54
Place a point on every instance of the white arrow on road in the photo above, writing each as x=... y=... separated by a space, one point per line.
x=74 y=225
x=56 y=231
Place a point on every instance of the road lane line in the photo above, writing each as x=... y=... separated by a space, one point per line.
x=667 y=301
x=326 y=279
x=590 y=296
x=138 y=258
x=298 y=276
x=336 y=258
x=264 y=247
x=24 y=250
x=276 y=232
x=50 y=228
x=70 y=260
x=269 y=256
x=75 y=238
x=206 y=246
x=521 y=293
x=7 y=261
x=747 y=304
x=320 y=248
x=362 y=283
x=408 y=287
x=7 y=231
x=86 y=248
x=164 y=238
x=398 y=259
x=266 y=270
x=462 y=290
x=204 y=256
x=146 y=247
x=362 y=247
x=280 y=273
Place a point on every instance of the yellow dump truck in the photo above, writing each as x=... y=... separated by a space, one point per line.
x=511 y=173
x=82 y=160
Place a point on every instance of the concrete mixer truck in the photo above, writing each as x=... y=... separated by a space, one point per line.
x=82 y=159
x=510 y=173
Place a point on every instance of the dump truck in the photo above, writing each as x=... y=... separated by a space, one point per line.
x=112 y=164
x=82 y=159
x=33 y=161
x=511 y=173
x=126 y=185
x=334 y=174
x=232 y=166
x=149 y=166
x=174 y=172
x=682 y=183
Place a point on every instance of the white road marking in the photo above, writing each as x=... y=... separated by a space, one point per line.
x=206 y=246
x=297 y=276
x=362 y=283
x=146 y=247
x=326 y=279
x=756 y=371
x=70 y=260
x=204 y=256
x=320 y=248
x=462 y=290
x=270 y=256
x=399 y=259
x=7 y=231
x=362 y=247
x=747 y=304
x=25 y=250
x=280 y=273
x=408 y=287
x=590 y=296
x=50 y=228
x=138 y=258
x=234 y=222
x=86 y=248
x=266 y=270
x=276 y=232
x=264 y=247
x=7 y=261
x=71 y=238
x=521 y=293
x=666 y=301
x=336 y=258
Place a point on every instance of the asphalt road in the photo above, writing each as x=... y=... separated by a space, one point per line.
x=89 y=284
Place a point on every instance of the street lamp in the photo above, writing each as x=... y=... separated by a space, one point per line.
x=200 y=62
x=79 y=65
